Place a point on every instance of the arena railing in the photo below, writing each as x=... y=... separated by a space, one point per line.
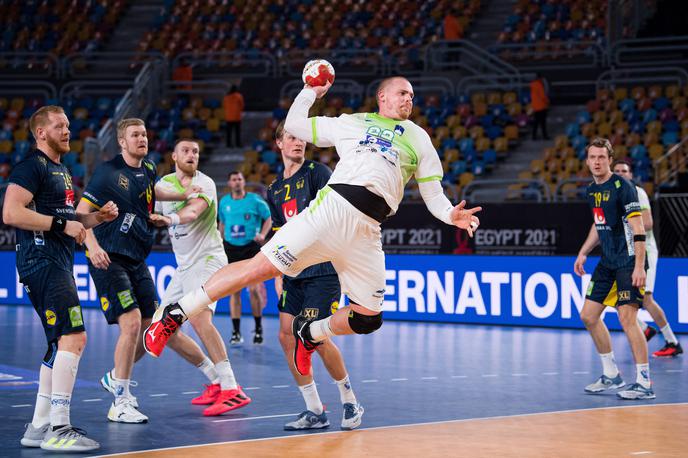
x=344 y=87
x=609 y=79
x=550 y=55
x=676 y=158
x=219 y=64
x=495 y=190
x=346 y=62
x=26 y=88
x=642 y=52
x=496 y=82
x=108 y=65
x=453 y=55
x=422 y=85
x=29 y=65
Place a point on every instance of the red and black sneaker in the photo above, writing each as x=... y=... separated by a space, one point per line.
x=209 y=395
x=166 y=321
x=304 y=345
x=227 y=400
x=649 y=332
x=670 y=349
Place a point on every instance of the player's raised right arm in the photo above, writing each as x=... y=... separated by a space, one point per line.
x=299 y=124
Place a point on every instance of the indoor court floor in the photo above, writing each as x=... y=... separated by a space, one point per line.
x=428 y=390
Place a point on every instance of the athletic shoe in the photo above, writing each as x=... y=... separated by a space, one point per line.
x=226 y=401
x=353 y=414
x=649 y=332
x=68 y=439
x=166 y=321
x=258 y=337
x=670 y=349
x=34 y=436
x=605 y=383
x=304 y=348
x=636 y=391
x=236 y=338
x=308 y=420
x=107 y=382
x=209 y=395
x=122 y=411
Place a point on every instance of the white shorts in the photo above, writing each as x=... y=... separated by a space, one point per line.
x=652 y=258
x=186 y=280
x=331 y=229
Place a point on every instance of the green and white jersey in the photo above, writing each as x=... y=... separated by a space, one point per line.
x=379 y=153
x=644 y=200
x=200 y=238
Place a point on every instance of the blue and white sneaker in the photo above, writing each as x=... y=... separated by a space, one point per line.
x=308 y=420
x=353 y=414
x=605 y=383
x=636 y=391
x=108 y=384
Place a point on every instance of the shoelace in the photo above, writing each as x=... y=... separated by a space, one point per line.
x=73 y=431
x=169 y=325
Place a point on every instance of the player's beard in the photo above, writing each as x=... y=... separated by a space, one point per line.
x=57 y=146
x=188 y=169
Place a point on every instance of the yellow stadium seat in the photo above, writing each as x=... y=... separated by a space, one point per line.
x=501 y=144
x=654 y=127
x=453 y=121
x=465 y=178
x=615 y=116
x=480 y=109
x=213 y=124
x=4 y=103
x=77 y=146
x=185 y=133
x=188 y=114
x=459 y=132
x=638 y=92
x=494 y=98
x=219 y=113
x=514 y=109
x=604 y=129
x=204 y=113
x=561 y=142
x=621 y=128
x=678 y=102
x=17 y=103
x=482 y=144
x=525 y=175
x=5 y=146
x=655 y=151
x=511 y=132
x=672 y=91
x=478 y=97
x=599 y=117
x=442 y=132
x=509 y=97
x=251 y=156
x=21 y=135
x=476 y=132
x=451 y=155
x=537 y=166
x=620 y=93
x=655 y=91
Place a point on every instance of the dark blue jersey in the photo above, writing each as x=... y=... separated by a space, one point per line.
x=288 y=197
x=612 y=203
x=133 y=190
x=51 y=186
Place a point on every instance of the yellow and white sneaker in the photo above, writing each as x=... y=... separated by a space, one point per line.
x=68 y=439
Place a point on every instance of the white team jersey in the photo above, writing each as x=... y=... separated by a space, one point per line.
x=644 y=200
x=200 y=238
x=377 y=152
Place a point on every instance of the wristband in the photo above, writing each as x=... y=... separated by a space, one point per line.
x=639 y=238
x=58 y=225
x=174 y=219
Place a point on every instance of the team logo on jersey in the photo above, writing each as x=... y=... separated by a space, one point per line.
x=398 y=129
x=299 y=184
x=123 y=182
x=598 y=216
x=247 y=216
x=50 y=317
x=289 y=209
x=69 y=198
x=311 y=314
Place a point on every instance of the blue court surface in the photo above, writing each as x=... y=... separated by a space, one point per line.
x=406 y=373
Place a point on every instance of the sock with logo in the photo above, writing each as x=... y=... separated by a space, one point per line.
x=226 y=375
x=64 y=375
x=609 y=364
x=310 y=395
x=642 y=376
x=208 y=369
x=669 y=334
x=41 y=413
x=121 y=386
x=346 y=393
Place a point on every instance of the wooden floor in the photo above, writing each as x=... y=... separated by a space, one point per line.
x=636 y=430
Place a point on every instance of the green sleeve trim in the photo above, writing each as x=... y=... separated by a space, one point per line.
x=431 y=178
x=314 y=130
x=207 y=199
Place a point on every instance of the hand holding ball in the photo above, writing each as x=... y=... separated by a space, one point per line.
x=317 y=73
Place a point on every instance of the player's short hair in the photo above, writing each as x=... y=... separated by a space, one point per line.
x=279 y=131
x=190 y=140
x=386 y=82
x=40 y=117
x=234 y=172
x=127 y=122
x=623 y=161
x=600 y=142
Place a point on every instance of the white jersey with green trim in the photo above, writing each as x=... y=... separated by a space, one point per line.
x=379 y=153
x=644 y=200
x=200 y=238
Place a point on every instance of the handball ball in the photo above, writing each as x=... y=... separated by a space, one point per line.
x=318 y=72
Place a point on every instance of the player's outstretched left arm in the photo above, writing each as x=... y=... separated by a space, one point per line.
x=165 y=195
x=638 y=276
x=442 y=209
x=186 y=215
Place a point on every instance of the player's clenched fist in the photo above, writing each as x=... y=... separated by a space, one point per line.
x=107 y=212
x=75 y=230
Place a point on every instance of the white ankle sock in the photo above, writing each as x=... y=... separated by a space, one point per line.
x=208 y=369
x=195 y=302
x=64 y=375
x=41 y=413
x=226 y=375
x=310 y=395
x=320 y=330
x=609 y=364
x=346 y=394
x=669 y=334
x=642 y=324
x=121 y=386
x=642 y=375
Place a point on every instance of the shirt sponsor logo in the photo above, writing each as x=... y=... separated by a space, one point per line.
x=237 y=231
x=289 y=209
x=104 y=304
x=69 y=198
x=283 y=255
x=598 y=215
x=127 y=222
x=310 y=313
x=50 y=317
x=75 y=316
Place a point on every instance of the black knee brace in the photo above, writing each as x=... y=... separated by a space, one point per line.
x=49 y=357
x=364 y=324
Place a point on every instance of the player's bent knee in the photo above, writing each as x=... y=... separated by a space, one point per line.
x=364 y=324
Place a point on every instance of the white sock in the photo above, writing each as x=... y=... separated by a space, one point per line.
x=669 y=334
x=64 y=375
x=310 y=395
x=642 y=375
x=320 y=330
x=346 y=394
x=195 y=302
x=208 y=369
x=121 y=386
x=226 y=375
x=41 y=413
x=609 y=364
x=642 y=324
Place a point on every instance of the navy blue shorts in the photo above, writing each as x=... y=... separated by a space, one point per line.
x=125 y=285
x=54 y=297
x=316 y=297
x=236 y=253
x=614 y=287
